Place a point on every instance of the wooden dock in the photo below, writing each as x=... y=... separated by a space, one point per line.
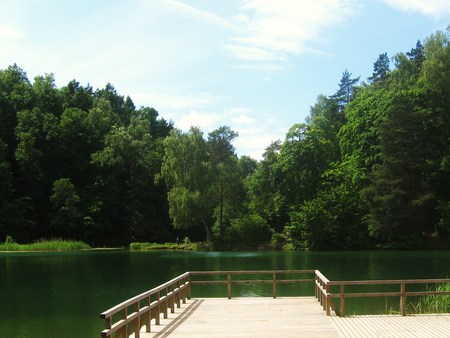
x=287 y=317
x=169 y=311
x=246 y=317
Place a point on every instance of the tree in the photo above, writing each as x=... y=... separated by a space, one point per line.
x=123 y=109
x=224 y=164
x=46 y=96
x=346 y=90
x=76 y=96
x=417 y=54
x=15 y=95
x=65 y=216
x=401 y=200
x=187 y=173
x=381 y=69
x=264 y=197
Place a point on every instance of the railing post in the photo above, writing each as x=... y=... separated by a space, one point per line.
x=229 y=285
x=137 y=308
x=124 y=313
x=188 y=291
x=342 y=305
x=327 y=299
x=149 y=317
x=108 y=323
x=183 y=291
x=274 y=286
x=158 y=308
x=316 y=294
x=178 y=294
x=402 y=298
x=319 y=292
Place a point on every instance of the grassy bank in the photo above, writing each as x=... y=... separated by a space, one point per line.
x=432 y=304
x=44 y=245
x=187 y=246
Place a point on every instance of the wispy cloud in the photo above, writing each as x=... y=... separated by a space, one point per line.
x=274 y=30
x=267 y=32
x=429 y=7
x=195 y=13
x=205 y=121
x=175 y=101
x=8 y=32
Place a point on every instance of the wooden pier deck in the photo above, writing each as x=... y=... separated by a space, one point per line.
x=287 y=317
x=246 y=317
x=147 y=315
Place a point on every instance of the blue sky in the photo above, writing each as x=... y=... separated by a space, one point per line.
x=255 y=65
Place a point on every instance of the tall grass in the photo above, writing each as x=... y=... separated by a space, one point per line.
x=44 y=245
x=432 y=303
x=186 y=245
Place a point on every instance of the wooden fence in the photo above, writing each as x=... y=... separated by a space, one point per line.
x=326 y=297
x=131 y=315
x=229 y=280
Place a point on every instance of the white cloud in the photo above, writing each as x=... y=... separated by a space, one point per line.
x=8 y=32
x=251 y=53
x=262 y=66
x=428 y=7
x=267 y=31
x=206 y=122
x=242 y=120
x=274 y=29
x=238 y=110
x=175 y=101
x=196 y=13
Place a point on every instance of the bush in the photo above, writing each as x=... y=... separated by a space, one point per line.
x=249 y=231
x=278 y=241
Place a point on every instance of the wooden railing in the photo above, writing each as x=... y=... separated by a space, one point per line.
x=274 y=279
x=325 y=296
x=138 y=311
x=130 y=316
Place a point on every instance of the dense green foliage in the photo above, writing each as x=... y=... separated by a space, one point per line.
x=369 y=167
x=432 y=303
x=78 y=164
x=44 y=245
x=186 y=245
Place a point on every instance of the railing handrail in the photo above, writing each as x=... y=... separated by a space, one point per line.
x=165 y=296
x=389 y=281
x=229 y=281
x=179 y=288
x=119 y=307
x=402 y=293
x=249 y=272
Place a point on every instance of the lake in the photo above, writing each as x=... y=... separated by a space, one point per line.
x=62 y=294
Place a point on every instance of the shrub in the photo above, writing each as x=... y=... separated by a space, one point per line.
x=249 y=231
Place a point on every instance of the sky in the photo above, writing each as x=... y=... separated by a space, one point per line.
x=254 y=65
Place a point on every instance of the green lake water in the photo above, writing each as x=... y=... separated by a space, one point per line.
x=52 y=295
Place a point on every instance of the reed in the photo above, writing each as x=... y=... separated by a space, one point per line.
x=186 y=246
x=44 y=245
x=432 y=303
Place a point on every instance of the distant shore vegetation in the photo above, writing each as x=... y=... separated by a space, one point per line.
x=186 y=245
x=368 y=168
x=44 y=245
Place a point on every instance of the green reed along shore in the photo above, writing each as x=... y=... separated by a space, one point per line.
x=44 y=245
x=434 y=303
x=185 y=245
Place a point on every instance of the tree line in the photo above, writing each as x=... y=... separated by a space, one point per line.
x=370 y=166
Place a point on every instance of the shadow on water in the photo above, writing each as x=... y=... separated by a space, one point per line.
x=62 y=294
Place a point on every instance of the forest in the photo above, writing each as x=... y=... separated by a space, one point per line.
x=369 y=168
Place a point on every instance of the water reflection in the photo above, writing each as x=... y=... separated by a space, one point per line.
x=59 y=294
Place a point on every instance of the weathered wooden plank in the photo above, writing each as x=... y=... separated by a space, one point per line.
x=249 y=317
x=393 y=326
